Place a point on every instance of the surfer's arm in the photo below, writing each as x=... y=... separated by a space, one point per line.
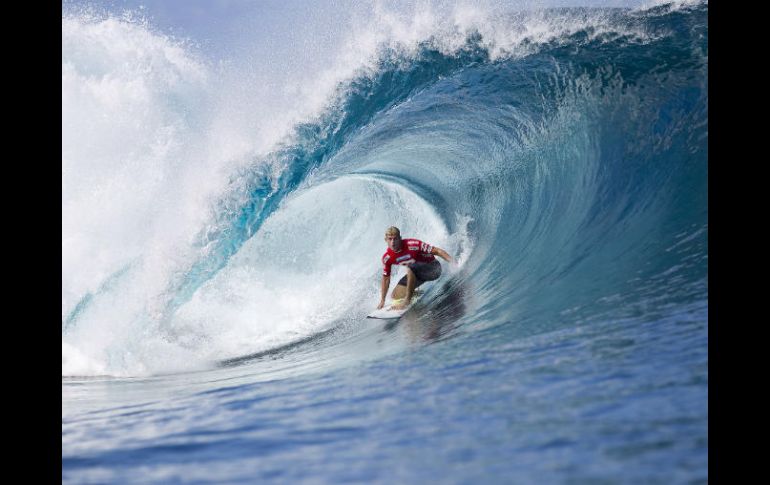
x=384 y=291
x=441 y=253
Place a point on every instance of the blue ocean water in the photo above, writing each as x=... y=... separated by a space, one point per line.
x=227 y=342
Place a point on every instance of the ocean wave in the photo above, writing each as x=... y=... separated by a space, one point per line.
x=562 y=154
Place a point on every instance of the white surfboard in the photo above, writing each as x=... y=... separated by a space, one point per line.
x=386 y=313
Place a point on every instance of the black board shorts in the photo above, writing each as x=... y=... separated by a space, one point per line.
x=424 y=272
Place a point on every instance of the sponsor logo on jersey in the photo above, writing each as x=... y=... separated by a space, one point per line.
x=414 y=248
x=385 y=258
x=402 y=258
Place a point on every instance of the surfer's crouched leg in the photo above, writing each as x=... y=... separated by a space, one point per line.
x=422 y=272
x=399 y=292
x=418 y=273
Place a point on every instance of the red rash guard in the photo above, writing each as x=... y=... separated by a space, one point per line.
x=412 y=251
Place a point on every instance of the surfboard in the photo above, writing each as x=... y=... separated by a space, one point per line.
x=385 y=313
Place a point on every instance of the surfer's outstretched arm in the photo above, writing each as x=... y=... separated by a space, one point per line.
x=384 y=291
x=441 y=253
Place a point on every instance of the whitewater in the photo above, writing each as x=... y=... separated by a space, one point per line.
x=223 y=215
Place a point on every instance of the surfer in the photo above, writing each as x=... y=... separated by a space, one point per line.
x=421 y=266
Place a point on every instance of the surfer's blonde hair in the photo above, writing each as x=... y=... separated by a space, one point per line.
x=392 y=231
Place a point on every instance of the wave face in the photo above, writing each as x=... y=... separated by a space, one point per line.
x=559 y=155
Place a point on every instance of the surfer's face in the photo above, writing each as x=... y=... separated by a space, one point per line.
x=394 y=242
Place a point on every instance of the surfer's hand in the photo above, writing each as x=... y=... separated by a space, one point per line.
x=382 y=304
